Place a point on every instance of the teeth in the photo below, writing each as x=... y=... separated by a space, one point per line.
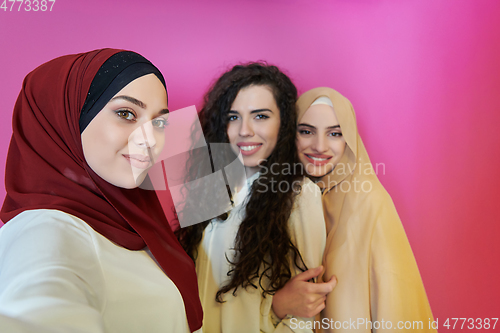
x=318 y=159
x=248 y=148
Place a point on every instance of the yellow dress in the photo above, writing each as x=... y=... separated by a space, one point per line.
x=379 y=284
x=248 y=311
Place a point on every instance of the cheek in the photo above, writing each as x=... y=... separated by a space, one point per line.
x=301 y=143
x=160 y=142
x=116 y=139
x=232 y=133
x=271 y=131
x=305 y=143
x=338 y=147
x=105 y=148
x=97 y=144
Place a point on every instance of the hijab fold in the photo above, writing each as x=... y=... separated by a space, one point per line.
x=46 y=167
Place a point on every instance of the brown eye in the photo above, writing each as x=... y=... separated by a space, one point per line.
x=261 y=116
x=125 y=114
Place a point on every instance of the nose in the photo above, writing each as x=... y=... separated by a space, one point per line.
x=246 y=129
x=320 y=144
x=144 y=136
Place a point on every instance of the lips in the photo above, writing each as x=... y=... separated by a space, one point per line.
x=318 y=159
x=249 y=148
x=138 y=160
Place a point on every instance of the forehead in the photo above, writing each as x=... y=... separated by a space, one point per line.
x=148 y=86
x=320 y=115
x=141 y=83
x=254 y=97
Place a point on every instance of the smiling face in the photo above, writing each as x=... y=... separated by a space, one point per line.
x=319 y=140
x=253 y=125
x=124 y=139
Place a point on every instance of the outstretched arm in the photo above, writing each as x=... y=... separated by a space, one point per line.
x=49 y=277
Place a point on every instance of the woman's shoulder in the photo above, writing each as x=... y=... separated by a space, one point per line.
x=371 y=203
x=308 y=196
x=49 y=219
x=306 y=187
x=46 y=230
x=367 y=193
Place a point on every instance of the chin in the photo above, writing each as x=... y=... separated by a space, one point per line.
x=131 y=183
x=139 y=180
x=251 y=162
x=126 y=185
x=318 y=172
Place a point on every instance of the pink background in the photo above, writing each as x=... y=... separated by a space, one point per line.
x=422 y=75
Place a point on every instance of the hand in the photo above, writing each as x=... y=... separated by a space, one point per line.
x=301 y=298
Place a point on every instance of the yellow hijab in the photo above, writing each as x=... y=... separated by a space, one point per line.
x=366 y=246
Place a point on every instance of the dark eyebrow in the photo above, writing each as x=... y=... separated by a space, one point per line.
x=131 y=100
x=306 y=125
x=138 y=103
x=164 y=111
x=253 y=111
x=260 y=110
x=311 y=126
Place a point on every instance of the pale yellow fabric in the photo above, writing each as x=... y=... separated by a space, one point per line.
x=367 y=248
x=248 y=312
x=58 y=275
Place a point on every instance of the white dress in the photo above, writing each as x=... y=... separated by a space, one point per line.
x=248 y=311
x=59 y=275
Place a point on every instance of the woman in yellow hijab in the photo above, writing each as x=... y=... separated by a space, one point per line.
x=379 y=286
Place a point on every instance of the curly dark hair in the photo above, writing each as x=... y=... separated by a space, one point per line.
x=263 y=245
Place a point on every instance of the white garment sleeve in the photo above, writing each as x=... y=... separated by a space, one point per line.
x=50 y=275
x=308 y=233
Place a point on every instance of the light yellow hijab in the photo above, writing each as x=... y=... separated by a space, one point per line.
x=366 y=246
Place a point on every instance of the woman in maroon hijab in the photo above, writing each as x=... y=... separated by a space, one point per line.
x=84 y=249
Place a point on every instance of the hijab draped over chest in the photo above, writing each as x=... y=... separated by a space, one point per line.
x=46 y=167
x=367 y=248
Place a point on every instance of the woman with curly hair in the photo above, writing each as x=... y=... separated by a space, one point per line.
x=277 y=228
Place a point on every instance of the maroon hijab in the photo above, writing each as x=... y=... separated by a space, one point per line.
x=46 y=169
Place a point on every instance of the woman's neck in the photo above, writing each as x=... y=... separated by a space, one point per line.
x=250 y=171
